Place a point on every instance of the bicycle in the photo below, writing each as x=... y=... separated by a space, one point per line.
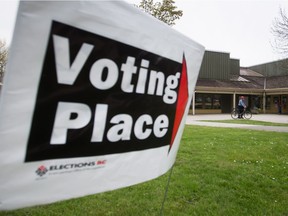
x=246 y=113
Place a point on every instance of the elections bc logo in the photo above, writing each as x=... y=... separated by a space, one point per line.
x=69 y=167
x=98 y=96
x=42 y=170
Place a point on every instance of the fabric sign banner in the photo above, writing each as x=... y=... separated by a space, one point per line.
x=94 y=98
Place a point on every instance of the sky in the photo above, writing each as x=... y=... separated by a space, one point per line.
x=240 y=28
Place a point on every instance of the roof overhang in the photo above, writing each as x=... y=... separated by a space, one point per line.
x=275 y=91
x=203 y=89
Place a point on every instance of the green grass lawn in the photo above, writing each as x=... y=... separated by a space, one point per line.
x=218 y=171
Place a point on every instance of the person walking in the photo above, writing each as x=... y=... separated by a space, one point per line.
x=241 y=107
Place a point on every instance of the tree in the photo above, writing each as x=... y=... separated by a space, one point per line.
x=280 y=44
x=165 y=11
x=3 y=58
x=280 y=31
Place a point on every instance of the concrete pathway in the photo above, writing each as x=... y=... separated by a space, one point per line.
x=196 y=120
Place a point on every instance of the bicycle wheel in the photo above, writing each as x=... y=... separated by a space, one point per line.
x=247 y=115
x=234 y=114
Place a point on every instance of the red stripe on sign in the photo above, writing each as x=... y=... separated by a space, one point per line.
x=182 y=101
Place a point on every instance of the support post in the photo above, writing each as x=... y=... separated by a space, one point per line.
x=264 y=102
x=234 y=100
x=193 y=103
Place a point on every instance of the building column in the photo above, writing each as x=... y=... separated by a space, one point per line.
x=193 y=103
x=234 y=100
x=264 y=96
x=264 y=102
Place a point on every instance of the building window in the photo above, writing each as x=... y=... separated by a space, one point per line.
x=216 y=102
x=284 y=102
x=268 y=103
x=207 y=101
x=256 y=102
x=198 y=102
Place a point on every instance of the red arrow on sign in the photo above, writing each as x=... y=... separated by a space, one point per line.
x=182 y=101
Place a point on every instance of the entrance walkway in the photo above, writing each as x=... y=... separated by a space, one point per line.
x=196 y=120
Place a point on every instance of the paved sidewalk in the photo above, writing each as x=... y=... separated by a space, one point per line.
x=196 y=120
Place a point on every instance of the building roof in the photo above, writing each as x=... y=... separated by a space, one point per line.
x=238 y=78
x=247 y=84
x=249 y=72
x=257 y=80
x=277 y=82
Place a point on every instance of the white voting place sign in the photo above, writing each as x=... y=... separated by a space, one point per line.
x=94 y=98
